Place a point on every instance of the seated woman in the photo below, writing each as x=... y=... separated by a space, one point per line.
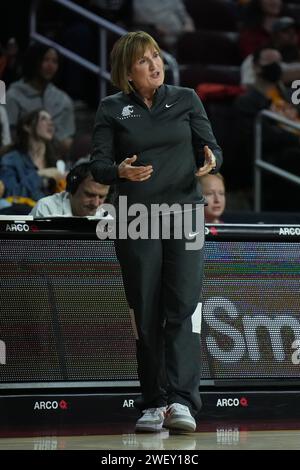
x=28 y=169
x=37 y=90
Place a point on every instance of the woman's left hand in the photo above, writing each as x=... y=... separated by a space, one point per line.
x=210 y=162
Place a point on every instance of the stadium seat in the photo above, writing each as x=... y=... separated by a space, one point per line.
x=209 y=47
x=218 y=15
x=193 y=74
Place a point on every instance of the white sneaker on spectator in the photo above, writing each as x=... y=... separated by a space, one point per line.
x=179 y=418
x=152 y=420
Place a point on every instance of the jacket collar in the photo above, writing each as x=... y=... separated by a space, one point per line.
x=157 y=98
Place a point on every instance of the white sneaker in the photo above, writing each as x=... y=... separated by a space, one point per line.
x=178 y=417
x=152 y=420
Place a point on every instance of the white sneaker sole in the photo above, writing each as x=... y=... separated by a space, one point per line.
x=180 y=425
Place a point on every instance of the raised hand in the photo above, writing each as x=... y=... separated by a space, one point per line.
x=134 y=173
x=209 y=164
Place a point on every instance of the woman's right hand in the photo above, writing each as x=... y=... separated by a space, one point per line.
x=134 y=173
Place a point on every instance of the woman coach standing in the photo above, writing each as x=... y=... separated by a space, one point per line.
x=165 y=131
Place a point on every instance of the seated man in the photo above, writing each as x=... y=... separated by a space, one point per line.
x=285 y=40
x=83 y=196
x=280 y=142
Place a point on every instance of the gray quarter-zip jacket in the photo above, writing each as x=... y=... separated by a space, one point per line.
x=170 y=136
x=23 y=98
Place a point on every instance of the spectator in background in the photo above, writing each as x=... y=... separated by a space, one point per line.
x=36 y=90
x=83 y=196
x=280 y=143
x=28 y=168
x=165 y=19
x=10 y=63
x=268 y=92
x=259 y=16
x=284 y=39
x=213 y=188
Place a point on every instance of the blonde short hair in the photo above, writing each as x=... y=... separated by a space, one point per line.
x=125 y=52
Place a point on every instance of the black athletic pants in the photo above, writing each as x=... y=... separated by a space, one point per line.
x=163 y=283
